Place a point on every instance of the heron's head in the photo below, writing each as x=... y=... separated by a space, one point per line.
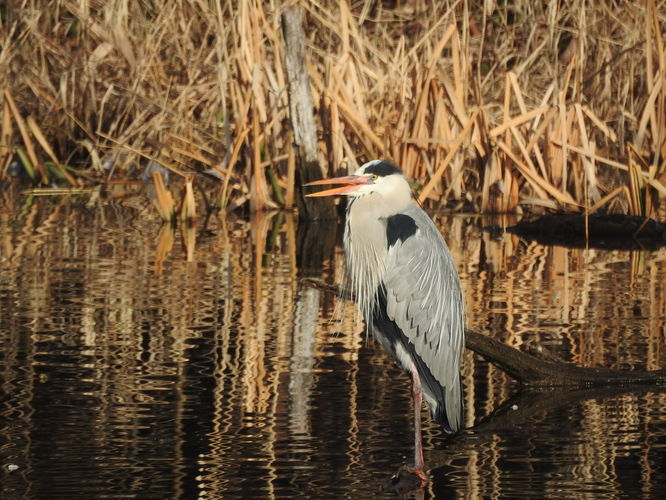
x=375 y=177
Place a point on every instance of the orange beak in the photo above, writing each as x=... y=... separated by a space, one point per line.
x=351 y=183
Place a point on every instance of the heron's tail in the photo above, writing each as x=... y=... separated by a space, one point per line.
x=445 y=403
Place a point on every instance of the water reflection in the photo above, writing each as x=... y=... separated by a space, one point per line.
x=139 y=363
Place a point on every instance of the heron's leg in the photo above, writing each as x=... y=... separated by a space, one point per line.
x=417 y=396
x=412 y=480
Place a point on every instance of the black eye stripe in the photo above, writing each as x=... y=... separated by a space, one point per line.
x=382 y=168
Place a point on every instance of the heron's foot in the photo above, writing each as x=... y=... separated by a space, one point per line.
x=407 y=481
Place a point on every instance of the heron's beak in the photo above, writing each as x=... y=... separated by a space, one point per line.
x=351 y=183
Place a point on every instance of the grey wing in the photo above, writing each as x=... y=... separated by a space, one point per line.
x=424 y=299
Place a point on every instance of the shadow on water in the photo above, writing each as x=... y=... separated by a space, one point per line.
x=141 y=363
x=531 y=426
x=602 y=231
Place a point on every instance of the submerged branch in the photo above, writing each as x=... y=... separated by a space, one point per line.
x=535 y=372
x=529 y=370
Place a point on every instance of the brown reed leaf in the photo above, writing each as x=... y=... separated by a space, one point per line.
x=599 y=124
x=353 y=117
x=655 y=183
x=442 y=167
x=536 y=181
x=649 y=112
x=518 y=120
x=39 y=135
x=240 y=140
x=540 y=192
x=27 y=141
x=634 y=189
x=164 y=199
x=5 y=138
x=194 y=155
x=188 y=209
x=590 y=183
x=259 y=192
x=606 y=199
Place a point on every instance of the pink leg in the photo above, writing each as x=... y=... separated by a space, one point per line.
x=417 y=396
x=412 y=480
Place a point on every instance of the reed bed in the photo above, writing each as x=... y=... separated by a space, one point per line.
x=517 y=107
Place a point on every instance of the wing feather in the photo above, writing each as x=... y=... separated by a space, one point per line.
x=424 y=299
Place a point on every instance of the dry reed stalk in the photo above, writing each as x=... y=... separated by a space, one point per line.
x=39 y=135
x=602 y=127
x=517 y=120
x=56 y=191
x=27 y=141
x=164 y=199
x=655 y=183
x=259 y=191
x=337 y=146
x=561 y=196
x=423 y=100
x=188 y=209
x=346 y=107
x=606 y=199
x=193 y=155
x=649 y=116
x=454 y=148
x=5 y=139
x=390 y=82
x=240 y=140
x=540 y=192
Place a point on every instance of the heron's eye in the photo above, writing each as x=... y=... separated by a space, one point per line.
x=374 y=177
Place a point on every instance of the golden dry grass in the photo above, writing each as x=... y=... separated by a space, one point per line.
x=513 y=107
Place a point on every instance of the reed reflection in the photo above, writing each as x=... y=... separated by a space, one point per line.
x=223 y=375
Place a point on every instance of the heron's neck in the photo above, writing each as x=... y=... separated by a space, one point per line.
x=365 y=245
x=365 y=255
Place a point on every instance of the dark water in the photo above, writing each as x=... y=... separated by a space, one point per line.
x=127 y=371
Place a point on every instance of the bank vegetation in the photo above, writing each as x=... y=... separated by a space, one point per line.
x=489 y=106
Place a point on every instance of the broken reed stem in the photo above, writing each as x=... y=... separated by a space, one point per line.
x=164 y=199
x=27 y=141
x=39 y=135
x=258 y=194
x=188 y=211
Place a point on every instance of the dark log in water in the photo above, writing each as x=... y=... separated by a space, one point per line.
x=301 y=113
x=611 y=232
x=534 y=372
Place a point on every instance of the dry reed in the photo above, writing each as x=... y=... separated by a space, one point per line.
x=554 y=105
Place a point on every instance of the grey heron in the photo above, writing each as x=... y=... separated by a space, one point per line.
x=405 y=282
